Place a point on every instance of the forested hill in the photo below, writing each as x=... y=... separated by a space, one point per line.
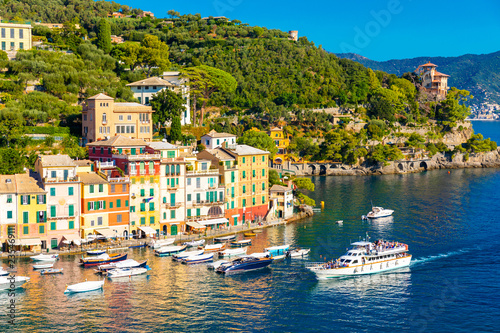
x=480 y=74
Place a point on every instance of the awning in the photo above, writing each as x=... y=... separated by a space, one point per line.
x=28 y=242
x=72 y=238
x=195 y=225
x=148 y=230
x=214 y=221
x=106 y=232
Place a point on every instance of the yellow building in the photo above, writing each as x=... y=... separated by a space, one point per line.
x=281 y=142
x=14 y=36
x=103 y=118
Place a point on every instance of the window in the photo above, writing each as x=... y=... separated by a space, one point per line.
x=244 y=190
x=71 y=225
x=151 y=220
x=91 y=188
x=139 y=100
x=189 y=197
x=143 y=207
x=189 y=181
x=147 y=99
x=3 y=32
x=244 y=174
x=92 y=223
x=129 y=117
x=9 y=214
x=113 y=189
x=99 y=220
x=52 y=225
x=198 y=182
x=132 y=209
x=90 y=205
x=189 y=213
x=204 y=166
x=111 y=204
x=263 y=158
x=118 y=217
x=9 y=198
x=143 y=192
x=170 y=153
x=71 y=210
x=253 y=188
x=198 y=212
x=253 y=159
x=244 y=203
x=253 y=173
x=151 y=206
x=101 y=188
x=12 y=34
x=21 y=45
x=53 y=174
x=263 y=186
x=126 y=203
x=263 y=172
x=232 y=204
x=244 y=160
x=41 y=229
x=120 y=118
x=52 y=192
x=118 y=203
x=263 y=199
x=143 y=220
x=253 y=201
x=172 y=214
x=25 y=200
x=26 y=230
x=151 y=180
x=4 y=48
x=71 y=190
x=198 y=197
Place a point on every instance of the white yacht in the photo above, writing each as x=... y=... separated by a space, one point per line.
x=377 y=212
x=365 y=258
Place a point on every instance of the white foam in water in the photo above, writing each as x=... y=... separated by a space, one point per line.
x=441 y=255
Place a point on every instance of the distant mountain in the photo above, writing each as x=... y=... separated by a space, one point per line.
x=478 y=73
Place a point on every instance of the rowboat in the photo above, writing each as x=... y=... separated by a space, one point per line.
x=198 y=259
x=298 y=253
x=234 y=252
x=51 y=271
x=194 y=243
x=185 y=254
x=43 y=266
x=224 y=239
x=103 y=259
x=170 y=250
x=121 y=272
x=95 y=252
x=156 y=244
x=244 y=242
x=45 y=257
x=214 y=248
x=137 y=246
x=216 y=264
x=249 y=234
x=7 y=282
x=129 y=263
x=84 y=286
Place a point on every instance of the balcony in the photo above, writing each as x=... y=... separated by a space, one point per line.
x=174 y=205
x=206 y=203
x=203 y=172
x=172 y=189
x=118 y=179
x=140 y=157
x=61 y=180
x=110 y=164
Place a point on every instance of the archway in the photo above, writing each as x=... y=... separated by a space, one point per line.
x=214 y=211
x=134 y=234
x=412 y=165
x=400 y=167
x=312 y=169
x=165 y=230
x=322 y=169
x=125 y=234
x=423 y=165
x=278 y=160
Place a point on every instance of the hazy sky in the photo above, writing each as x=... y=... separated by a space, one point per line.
x=377 y=29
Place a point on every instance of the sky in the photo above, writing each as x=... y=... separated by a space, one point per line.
x=376 y=29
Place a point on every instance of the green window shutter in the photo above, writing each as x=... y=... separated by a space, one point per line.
x=29 y=199
x=96 y=205
x=9 y=214
x=109 y=151
x=52 y=211
x=244 y=202
x=253 y=201
x=232 y=177
x=52 y=226
x=253 y=159
x=253 y=188
x=263 y=186
x=232 y=192
x=198 y=212
x=143 y=192
x=172 y=199
x=232 y=204
x=178 y=169
x=126 y=203
x=143 y=207
x=168 y=181
x=151 y=220
x=104 y=205
x=53 y=192
x=26 y=217
x=244 y=189
x=208 y=196
x=88 y=205
x=70 y=190
x=71 y=224
x=189 y=212
x=244 y=160
x=120 y=150
x=244 y=174
x=253 y=173
x=263 y=172
x=132 y=151
x=176 y=181
x=263 y=199
x=26 y=230
x=41 y=229
x=91 y=188
x=263 y=158
x=111 y=204
x=151 y=206
x=71 y=209
x=143 y=220
x=151 y=192
x=101 y=188
x=118 y=203
x=151 y=180
x=172 y=214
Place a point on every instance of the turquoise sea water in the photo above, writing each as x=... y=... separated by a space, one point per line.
x=450 y=221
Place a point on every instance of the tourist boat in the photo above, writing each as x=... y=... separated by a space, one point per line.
x=234 y=252
x=157 y=243
x=298 y=253
x=198 y=259
x=51 y=271
x=84 y=286
x=225 y=238
x=214 y=265
x=185 y=254
x=278 y=252
x=43 y=266
x=169 y=250
x=377 y=212
x=244 y=242
x=3 y=272
x=12 y=282
x=45 y=257
x=243 y=264
x=137 y=246
x=194 y=243
x=214 y=248
x=121 y=272
x=95 y=252
x=365 y=258
x=128 y=263
x=249 y=234
x=103 y=259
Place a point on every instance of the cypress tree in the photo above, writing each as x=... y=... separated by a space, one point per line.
x=104 y=36
x=175 y=130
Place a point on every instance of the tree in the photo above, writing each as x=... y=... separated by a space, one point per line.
x=205 y=80
x=258 y=140
x=453 y=108
x=154 y=53
x=381 y=108
x=11 y=124
x=167 y=105
x=104 y=36
x=274 y=178
x=172 y=13
x=304 y=183
x=11 y=161
x=129 y=53
x=175 y=130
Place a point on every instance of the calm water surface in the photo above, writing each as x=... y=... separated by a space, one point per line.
x=450 y=221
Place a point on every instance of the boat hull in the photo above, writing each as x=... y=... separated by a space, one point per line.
x=127 y=272
x=224 y=239
x=96 y=262
x=84 y=287
x=166 y=252
x=244 y=267
x=198 y=259
x=45 y=257
x=373 y=268
x=16 y=282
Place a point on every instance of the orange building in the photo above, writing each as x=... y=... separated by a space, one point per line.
x=433 y=81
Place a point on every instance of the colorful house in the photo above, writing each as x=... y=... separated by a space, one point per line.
x=433 y=81
x=8 y=213
x=282 y=200
x=213 y=139
x=282 y=142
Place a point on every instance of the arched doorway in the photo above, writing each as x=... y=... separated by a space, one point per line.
x=312 y=169
x=400 y=167
x=322 y=169
x=165 y=230
x=214 y=211
x=173 y=230
x=125 y=234
x=134 y=234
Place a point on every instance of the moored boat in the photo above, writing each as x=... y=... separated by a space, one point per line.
x=377 y=212
x=224 y=238
x=45 y=257
x=122 y=272
x=234 y=252
x=198 y=259
x=216 y=264
x=137 y=246
x=43 y=266
x=51 y=271
x=3 y=272
x=12 y=282
x=298 y=253
x=102 y=259
x=84 y=286
x=278 y=252
x=257 y=231
x=128 y=263
x=365 y=258
x=244 y=242
x=194 y=243
x=243 y=264
x=185 y=254
x=158 y=243
x=214 y=247
x=169 y=250
x=249 y=234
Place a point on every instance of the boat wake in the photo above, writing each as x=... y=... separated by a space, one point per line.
x=419 y=261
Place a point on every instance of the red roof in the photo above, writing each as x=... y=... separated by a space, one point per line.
x=440 y=74
x=429 y=64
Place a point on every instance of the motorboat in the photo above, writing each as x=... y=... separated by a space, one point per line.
x=43 y=266
x=244 y=242
x=45 y=257
x=12 y=282
x=128 y=263
x=377 y=212
x=169 y=250
x=121 y=272
x=298 y=253
x=198 y=259
x=51 y=271
x=365 y=258
x=234 y=252
x=224 y=239
x=260 y=255
x=84 y=286
x=257 y=231
x=3 y=272
x=95 y=252
x=194 y=243
x=278 y=252
x=214 y=265
x=214 y=248
x=158 y=243
x=185 y=254
x=103 y=259
x=243 y=264
x=339 y=221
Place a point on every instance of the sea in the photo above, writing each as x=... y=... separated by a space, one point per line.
x=449 y=219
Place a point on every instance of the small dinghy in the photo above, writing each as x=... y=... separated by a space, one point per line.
x=122 y=272
x=244 y=242
x=43 y=266
x=137 y=246
x=169 y=250
x=84 y=286
x=95 y=252
x=45 y=257
x=158 y=243
x=298 y=253
x=215 y=247
x=185 y=254
x=339 y=221
x=198 y=259
x=128 y=263
x=3 y=272
x=8 y=282
x=51 y=271
x=225 y=238
x=194 y=243
x=214 y=265
x=234 y=252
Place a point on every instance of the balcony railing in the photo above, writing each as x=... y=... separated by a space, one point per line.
x=206 y=203
x=172 y=205
x=172 y=189
x=203 y=172
x=61 y=180
x=140 y=157
x=106 y=164
x=118 y=179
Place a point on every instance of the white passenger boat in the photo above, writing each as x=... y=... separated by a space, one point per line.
x=216 y=264
x=234 y=252
x=198 y=259
x=12 y=282
x=3 y=272
x=298 y=253
x=157 y=243
x=185 y=254
x=194 y=243
x=121 y=272
x=45 y=257
x=84 y=286
x=377 y=212
x=43 y=266
x=365 y=258
x=169 y=250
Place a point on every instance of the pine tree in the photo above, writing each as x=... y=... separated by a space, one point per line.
x=175 y=130
x=104 y=36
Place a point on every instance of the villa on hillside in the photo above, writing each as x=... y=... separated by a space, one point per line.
x=433 y=81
